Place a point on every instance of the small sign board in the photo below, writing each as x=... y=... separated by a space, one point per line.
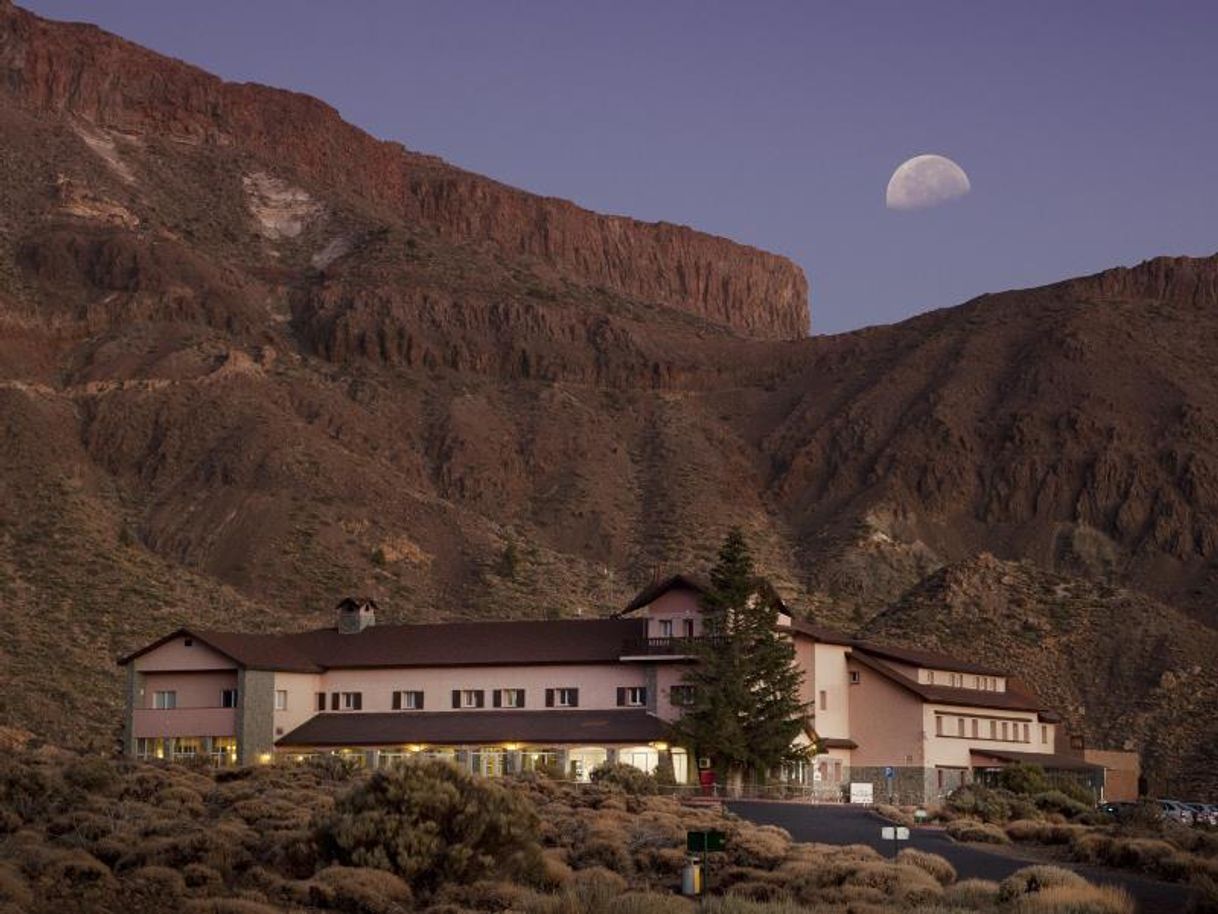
x=889 y=773
x=704 y=842
x=894 y=833
x=862 y=792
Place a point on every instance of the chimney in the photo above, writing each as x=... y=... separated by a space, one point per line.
x=356 y=614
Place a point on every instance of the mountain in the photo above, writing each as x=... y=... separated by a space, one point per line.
x=253 y=360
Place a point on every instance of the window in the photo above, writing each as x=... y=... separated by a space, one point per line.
x=938 y=725
x=165 y=701
x=281 y=699
x=408 y=701
x=960 y=726
x=824 y=700
x=470 y=698
x=321 y=701
x=993 y=729
x=930 y=676
x=632 y=697
x=228 y=698
x=682 y=696
x=855 y=677
x=562 y=698
x=1044 y=733
x=1026 y=737
x=976 y=682
x=349 y=701
x=976 y=727
x=666 y=628
x=1005 y=734
x=509 y=698
x=689 y=628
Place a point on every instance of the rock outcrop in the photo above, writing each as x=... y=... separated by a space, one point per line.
x=116 y=86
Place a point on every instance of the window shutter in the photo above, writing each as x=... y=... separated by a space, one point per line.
x=621 y=696
x=333 y=701
x=418 y=700
x=321 y=701
x=397 y=701
x=575 y=698
x=520 y=696
x=359 y=701
x=456 y=698
x=643 y=694
x=549 y=698
x=497 y=698
x=479 y=698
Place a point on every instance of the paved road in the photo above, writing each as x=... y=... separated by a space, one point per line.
x=856 y=825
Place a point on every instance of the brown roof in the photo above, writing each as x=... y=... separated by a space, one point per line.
x=441 y=644
x=1048 y=761
x=477 y=727
x=927 y=659
x=837 y=742
x=1013 y=699
x=820 y=633
x=657 y=589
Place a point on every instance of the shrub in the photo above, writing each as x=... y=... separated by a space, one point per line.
x=979 y=832
x=1086 y=899
x=431 y=823
x=624 y=777
x=894 y=814
x=976 y=802
x=359 y=890
x=1059 y=802
x=971 y=894
x=762 y=846
x=1034 y=879
x=91 y=774
x=13 y=888
x=1020 y=778
x=942 y=871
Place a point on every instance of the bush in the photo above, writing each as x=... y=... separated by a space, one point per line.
x=1034 y=879
x=894 y=814
x=431 y=823
x=1025 y=779
x=359 y=890
x=625 y=777
x=972 y=894
x=1087 y=899
x=91 y=774
x=943 y=872
x=978 y=832
x=1059 y=802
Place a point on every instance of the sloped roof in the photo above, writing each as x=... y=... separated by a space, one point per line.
x=442 y=644
x=1046 y=760
x=923 y=658
x=1015 y=698
x=474 y=727
x=657 y=589
x=820 y=632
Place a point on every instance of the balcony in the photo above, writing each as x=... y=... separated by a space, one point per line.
x=152 y=722
x=651 y=648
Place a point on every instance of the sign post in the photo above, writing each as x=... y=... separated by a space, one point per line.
x=890 y=775
x=895 y=834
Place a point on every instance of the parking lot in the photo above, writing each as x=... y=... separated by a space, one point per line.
x=843 y=824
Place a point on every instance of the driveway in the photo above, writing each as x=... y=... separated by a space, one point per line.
x=831 y=824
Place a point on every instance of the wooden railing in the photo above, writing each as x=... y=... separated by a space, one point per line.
x=663 y=647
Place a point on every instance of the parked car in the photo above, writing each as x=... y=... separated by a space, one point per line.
x=1120 y=810
x=1174 y=809
x=1204 y=813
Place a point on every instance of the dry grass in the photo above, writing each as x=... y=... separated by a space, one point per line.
x=1086 y=899
x=970 y=830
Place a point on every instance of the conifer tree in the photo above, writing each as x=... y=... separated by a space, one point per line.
x=745 y=711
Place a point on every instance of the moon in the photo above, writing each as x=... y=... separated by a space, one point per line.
x=924 y=181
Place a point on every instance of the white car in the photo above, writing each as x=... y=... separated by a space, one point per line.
x=1174 y=809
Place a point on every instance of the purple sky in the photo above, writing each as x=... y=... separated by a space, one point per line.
x=1089 y=130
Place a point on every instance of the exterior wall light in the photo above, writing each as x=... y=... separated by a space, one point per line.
x=264 y=758
x=660 y=746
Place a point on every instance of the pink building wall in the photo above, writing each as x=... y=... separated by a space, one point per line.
x=195 y=689
x=886 y=721
x=677 y=605
x=184 y=722
x=175 y=655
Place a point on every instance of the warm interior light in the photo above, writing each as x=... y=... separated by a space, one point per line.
x=264 y=758
x=511 y=747
x=415 y=747
x=661 y=747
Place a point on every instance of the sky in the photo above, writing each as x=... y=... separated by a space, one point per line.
x=1088 y=129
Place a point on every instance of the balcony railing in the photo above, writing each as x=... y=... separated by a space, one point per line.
x=663 y=647
x=184 y=722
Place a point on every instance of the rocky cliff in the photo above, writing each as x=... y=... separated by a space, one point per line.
x=252 y=360
x=113 y=85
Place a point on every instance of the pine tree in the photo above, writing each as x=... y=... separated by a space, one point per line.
x=745 y=711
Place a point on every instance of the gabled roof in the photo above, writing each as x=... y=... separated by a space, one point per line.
x=657 y=589
x=1015 y=698
x=398 y=728
x=820 y=633
x=440 y=644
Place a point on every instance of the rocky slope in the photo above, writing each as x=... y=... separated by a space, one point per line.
x=252 y=360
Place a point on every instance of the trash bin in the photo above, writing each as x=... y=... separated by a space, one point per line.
x=691 y=877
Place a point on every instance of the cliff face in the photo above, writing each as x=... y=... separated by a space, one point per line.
x=252 y=360
x=84 y=72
